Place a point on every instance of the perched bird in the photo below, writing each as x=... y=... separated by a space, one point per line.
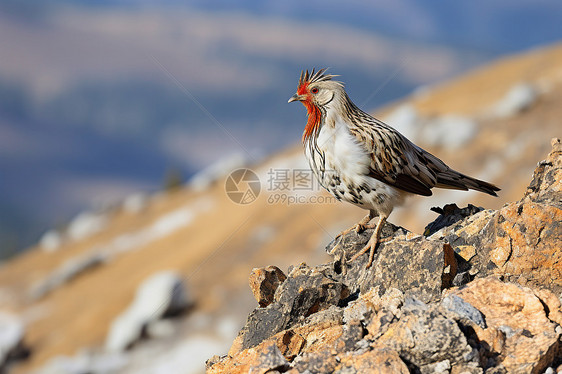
x=362 y=160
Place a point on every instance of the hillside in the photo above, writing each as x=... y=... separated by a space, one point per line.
x=494 y=123
x=117 y=97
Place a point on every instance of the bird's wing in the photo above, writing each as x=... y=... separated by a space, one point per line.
x=397 y=161
x=400 y=163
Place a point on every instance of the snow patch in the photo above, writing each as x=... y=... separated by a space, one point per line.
x=135 y=203
x=51 y=241
x=171 y=222
x=227 y=328
x=517 y=147
x=161 y=294
x=165 y=225
x=85 y=362
x=289 y=176
x=11 y=335
x=187 y=357
x=66 y=272
x=517 y=99
x=206 y=177
x=406 y=120
x=449 y=131
x=162 y=227
x=85 y=225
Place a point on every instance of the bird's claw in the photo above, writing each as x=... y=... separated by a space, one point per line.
x=371 y=247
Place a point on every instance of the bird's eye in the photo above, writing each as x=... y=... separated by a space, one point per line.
x=314 y=90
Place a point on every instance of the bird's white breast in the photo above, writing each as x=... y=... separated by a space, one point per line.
x=342 y=165
x=342 y=151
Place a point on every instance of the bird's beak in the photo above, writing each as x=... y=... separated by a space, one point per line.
x=296 y=97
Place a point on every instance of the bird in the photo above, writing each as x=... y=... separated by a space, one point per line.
x=362 y=160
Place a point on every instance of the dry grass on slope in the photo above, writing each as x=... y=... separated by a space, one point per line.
x=217 y=249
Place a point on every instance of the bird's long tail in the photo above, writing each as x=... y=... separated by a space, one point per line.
x=452 y=179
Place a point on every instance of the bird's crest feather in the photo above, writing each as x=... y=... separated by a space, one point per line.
x=314 y=76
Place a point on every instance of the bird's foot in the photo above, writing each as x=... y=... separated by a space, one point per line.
x=372 y=243
x=359 y=227
x=371 y=247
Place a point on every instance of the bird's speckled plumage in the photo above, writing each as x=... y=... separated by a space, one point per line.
x=364 y=161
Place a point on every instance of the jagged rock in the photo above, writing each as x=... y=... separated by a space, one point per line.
x=323 y=328
x=552 y=305
x=522 y=241
x=462 y=311
x=374 y=361
x=264 y=283
x=404 y=314
x=424 y=336
x=352 y=333
x=438 y=367
x=319 y=362
x=519 y=334
x=264 y=358
x=383 y=361
x=410 y=263
x=306 y=291
x=545 y=186
x=448 y=215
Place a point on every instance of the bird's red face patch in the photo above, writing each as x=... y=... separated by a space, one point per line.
x=303 y=89
x=314 y=114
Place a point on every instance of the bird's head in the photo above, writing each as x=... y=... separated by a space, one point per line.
x=316 y=91
x=316 y=88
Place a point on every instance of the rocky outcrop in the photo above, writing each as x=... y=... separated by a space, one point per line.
x=521 y=241
x=478 y=293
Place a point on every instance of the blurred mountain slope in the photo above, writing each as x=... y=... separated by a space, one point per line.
x=107 y=98
x=214 y=243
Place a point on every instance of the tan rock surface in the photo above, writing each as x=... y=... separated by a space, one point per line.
x=264 y=283
x=518 y=327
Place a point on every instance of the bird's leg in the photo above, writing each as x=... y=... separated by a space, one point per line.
x=360 y=226
x=364 y=223
x=372 y=243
